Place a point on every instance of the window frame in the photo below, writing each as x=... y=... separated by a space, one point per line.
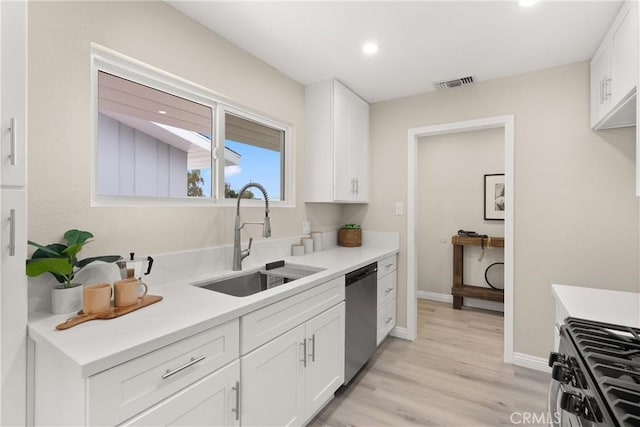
x=286 y=168
x=110 y=61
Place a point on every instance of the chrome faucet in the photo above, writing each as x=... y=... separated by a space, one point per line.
x=238 y=253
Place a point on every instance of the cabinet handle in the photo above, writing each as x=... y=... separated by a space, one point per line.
x=388 y=319
x=388 y=265
x=353 y=185
x=313 y=347
x=12 y=232
x=386 y=291
x=607 y=94
x=304 y=352
x=192 y=362
x=14 y=141
x=357 y=186
x=601 y=91
x=237 y=408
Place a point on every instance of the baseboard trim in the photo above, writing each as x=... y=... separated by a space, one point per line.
x=467 y=302
x=399 y=332
x=532 y=362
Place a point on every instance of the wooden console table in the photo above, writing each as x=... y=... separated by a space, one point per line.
x=460 y=290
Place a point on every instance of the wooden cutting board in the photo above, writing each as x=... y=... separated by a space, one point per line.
x=113 y=313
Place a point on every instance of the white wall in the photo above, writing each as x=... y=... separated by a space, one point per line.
x=450 y=188
x=60 y=34
x=576 y=214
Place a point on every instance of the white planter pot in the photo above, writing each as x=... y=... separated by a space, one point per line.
x=66 y=300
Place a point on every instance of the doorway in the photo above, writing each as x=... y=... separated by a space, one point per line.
x=414 y=135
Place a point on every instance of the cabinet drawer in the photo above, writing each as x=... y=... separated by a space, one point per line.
x=386 y=265
x=273 y=320
x=209 y=402
x=386 y=290
x=386 y=320
x=125 y=390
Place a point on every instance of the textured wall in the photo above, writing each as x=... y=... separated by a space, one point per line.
x=60 y=123
x=576 y=214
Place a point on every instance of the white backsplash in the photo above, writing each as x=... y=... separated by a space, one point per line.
x=169 y=267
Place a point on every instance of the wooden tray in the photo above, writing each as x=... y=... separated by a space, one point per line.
x=113 y=313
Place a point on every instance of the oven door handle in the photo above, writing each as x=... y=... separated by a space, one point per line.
x=555 y=392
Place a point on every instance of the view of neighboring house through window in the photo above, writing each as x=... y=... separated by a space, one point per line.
x=254 y=152
x=156 y=139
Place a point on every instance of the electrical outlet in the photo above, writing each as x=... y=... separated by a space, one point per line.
x=306 y=227
x=399 y=208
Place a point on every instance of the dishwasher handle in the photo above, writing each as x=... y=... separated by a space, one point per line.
x=357 y=275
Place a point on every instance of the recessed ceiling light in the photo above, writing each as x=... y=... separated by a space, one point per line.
x=527 y=3
x=162 y=112
x=370 y=48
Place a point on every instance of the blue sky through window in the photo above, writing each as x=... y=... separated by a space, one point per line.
x=256 y=165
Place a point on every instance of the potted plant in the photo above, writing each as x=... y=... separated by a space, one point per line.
x=62 y=262
x=350 y=235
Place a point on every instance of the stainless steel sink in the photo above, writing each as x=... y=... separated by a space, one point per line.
x=257 y=281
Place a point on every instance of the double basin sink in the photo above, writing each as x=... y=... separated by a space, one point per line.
x=249 y=283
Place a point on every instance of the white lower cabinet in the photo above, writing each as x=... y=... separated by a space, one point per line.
x=212 y=401
x=386 y=297
x=287 y=380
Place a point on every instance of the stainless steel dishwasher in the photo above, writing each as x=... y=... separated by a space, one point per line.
x=361 y=298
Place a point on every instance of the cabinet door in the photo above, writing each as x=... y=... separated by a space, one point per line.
x=272 y=392
x=211 y=401
x=13 y=243
x=343 y=127
x=624 y=54
x=13 y=72
x=351 y=140
x=325 y=358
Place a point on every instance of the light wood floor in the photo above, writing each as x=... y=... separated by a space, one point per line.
x=452 y=375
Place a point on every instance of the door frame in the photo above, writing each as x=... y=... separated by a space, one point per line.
x=506 y=122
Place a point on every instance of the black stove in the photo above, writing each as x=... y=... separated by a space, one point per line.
x=596 y=375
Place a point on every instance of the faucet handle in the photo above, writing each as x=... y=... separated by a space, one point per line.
x=245 y=253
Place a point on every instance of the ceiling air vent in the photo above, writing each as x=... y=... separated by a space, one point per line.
x=444 y=84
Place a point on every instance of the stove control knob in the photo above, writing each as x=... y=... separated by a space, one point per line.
x=571 y=402
x=555 y=357
x=580 y=406
x=561 y=373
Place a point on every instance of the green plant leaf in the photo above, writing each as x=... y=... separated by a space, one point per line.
x=74 y=237
x=73 y=250
x=104 y=258
x=50 y=251
x=55 y=266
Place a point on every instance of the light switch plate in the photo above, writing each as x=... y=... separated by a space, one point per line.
x=399 y=208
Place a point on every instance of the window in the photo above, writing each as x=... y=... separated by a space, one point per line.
x=156 y=142
x=254 y=152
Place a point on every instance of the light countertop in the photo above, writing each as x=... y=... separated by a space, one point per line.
x=616 y=307
x=185 y=310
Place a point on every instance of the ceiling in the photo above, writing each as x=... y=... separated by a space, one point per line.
x=420 y=42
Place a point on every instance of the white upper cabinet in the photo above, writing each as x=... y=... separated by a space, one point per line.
x=13 y=75
x=614 y=73
x=337 y=144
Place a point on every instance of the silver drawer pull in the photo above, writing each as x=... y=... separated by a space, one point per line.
x=237 y=408
x=12 y=232
x=388 y=265
x=388 y=319
x=386 y=291
x=14 y=141
x=193 y=361
x=304 y=352
x=313 y=347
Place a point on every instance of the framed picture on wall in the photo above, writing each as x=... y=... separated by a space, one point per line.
x=494 y=196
